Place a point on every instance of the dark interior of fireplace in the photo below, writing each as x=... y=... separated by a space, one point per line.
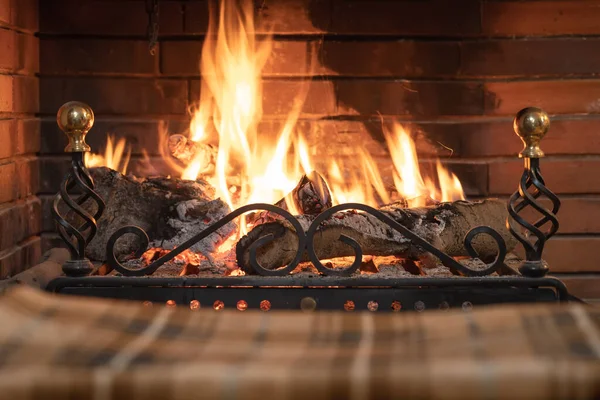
x=452 y=73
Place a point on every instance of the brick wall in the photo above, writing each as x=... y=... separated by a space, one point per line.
x=20 y=208
x=456 y=72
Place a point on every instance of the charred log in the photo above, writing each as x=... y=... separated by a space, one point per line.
x=170 y=210
x=311 y=196
x=444 y=226
x=187 y=151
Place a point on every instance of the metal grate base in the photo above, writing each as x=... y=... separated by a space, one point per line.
x=321 y=293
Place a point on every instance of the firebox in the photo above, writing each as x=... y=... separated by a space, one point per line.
x=280 y=279
x=303 y=154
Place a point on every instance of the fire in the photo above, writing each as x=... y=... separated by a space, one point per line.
x=407 y=176
x=252 y=166
x=114 y=157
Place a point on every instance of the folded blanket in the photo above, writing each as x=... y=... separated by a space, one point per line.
x=55 y=347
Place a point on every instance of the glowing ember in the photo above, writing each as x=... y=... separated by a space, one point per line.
x=188 y=259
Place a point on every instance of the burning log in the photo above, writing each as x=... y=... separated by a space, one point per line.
x=444 y=226
x=187 y=151
x=170 y=210
x=310 y=197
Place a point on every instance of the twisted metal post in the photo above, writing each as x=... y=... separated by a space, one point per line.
x=531 y=124
x=75 y=120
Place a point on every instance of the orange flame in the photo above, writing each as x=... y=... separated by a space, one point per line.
x=114 y=157
x=252 y=166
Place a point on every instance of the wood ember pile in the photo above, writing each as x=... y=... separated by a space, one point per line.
x=173 y=210
x=169 y=210
x=443 y=225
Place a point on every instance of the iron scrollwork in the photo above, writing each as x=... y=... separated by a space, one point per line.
x=415 y=239
x=305 y=243
x=152 y=267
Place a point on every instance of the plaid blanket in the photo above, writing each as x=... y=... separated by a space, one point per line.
x=67 y=347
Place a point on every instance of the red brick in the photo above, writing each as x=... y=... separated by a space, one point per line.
x=561 y=176
x=19 y=94
x=407 y=58
x=279 y=95
x=287 y=58
x=427 y=18
x=540 y=18
x=577 y=215
x=29 y=56
x=28 y=136
x=26 y=95
x=8 y=187
x=22 y=14
x=416 y=98
x=477 y=137
x=75 y=56
x=107 y=17
x=20 y=52
x=497 y=138
x=8 y=55
x=18 y=221
x=559 y=57
x=271 y=16
x=196 y=16
x=555 y=97
x=584 y=286
x=7 y=132
x=19 y=137
x=19 y=179
x=294 y=16
x=25 y=14
x=573 y=254
x=180 y=57
x=183 y=58
x=116 y=96
x=29 y=177
x=5 y=11
x=6 y=93
x=20 y=257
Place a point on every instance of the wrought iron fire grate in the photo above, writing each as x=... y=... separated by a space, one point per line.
x=335 y=288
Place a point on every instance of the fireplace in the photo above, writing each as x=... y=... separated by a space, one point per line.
x=452 y=82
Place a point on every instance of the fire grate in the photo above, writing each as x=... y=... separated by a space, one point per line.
x=334 y=288
x=323 y=293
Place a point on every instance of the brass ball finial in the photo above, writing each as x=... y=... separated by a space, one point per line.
x=531 y=124
x=75 y=119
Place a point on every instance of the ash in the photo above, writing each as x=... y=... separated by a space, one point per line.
x=191 y=218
